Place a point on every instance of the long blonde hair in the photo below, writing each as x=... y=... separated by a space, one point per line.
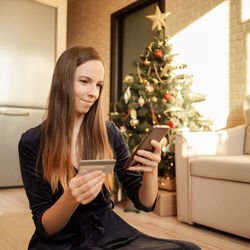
x=57 y=129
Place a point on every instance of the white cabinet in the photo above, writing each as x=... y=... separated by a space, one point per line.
x=14 y=122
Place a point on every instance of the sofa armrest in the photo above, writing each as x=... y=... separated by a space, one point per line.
x=224 y=142
x=193 y=144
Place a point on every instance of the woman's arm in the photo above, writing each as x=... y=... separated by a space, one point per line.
x=82 y=189
x=142 y=190
x=149 y=160
x=56 y=217
x=51 y=216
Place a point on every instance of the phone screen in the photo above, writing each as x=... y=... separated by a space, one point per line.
x=156 y=132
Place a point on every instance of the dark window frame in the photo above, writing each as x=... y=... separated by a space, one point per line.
x=117 y=22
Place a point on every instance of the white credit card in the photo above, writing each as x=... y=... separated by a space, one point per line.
x=105 y=166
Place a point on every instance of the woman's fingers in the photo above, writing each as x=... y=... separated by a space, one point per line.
x=78 y=180
x=87 y=186
x=87 y=197
x=84 y=188
x=148 y=160
x=157 y=146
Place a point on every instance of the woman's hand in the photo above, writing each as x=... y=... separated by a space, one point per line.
x=84 y=188
x=149 y=160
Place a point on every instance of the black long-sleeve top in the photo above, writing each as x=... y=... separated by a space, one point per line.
x=40 y=195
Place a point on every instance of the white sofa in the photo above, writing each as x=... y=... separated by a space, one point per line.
x=213 y=179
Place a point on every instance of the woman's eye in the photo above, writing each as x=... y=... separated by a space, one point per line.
x=84 y=81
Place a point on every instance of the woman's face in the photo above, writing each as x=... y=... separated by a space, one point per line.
x=88 y=80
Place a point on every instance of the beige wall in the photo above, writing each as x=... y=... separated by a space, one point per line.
x=211 y=36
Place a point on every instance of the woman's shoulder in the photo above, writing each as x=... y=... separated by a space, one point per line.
x=31 y=136
x=114 y=134
x=109 y=125
x=112 y=129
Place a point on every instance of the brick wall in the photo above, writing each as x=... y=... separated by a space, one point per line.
x=225 y=83
x=89 y=25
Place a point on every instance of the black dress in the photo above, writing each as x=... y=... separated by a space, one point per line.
x=92 y=226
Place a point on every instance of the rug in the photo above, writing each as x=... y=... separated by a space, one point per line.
x=16 y=230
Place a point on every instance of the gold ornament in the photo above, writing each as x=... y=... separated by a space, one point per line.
x=134 y=122
x=154 y=99
x=133 y=113
x=128 y=78
x=158 y=19
x=155 y=81
x=149 y=88
x=127 y=95
x=146 y=62
x=141 y=101
x=123 y=129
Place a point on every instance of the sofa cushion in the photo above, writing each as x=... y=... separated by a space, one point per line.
x=234 y=168
x=247 y=141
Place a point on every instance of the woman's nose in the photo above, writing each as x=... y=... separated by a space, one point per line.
x=93 y=90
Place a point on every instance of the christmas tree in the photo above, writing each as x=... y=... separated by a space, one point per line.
x=159 y=93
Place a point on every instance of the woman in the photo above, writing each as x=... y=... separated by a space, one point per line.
x=72 y=211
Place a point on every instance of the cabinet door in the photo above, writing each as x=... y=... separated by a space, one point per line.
x=13 y=123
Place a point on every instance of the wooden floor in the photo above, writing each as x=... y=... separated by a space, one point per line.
x=14 y=202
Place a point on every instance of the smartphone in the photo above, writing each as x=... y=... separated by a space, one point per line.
x=105 y=166
x=156 y=132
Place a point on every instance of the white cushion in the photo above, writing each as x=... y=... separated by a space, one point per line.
x=234 y=168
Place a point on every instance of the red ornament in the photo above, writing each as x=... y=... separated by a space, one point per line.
x=158 y=54
x=172 y=124
x=167 y=96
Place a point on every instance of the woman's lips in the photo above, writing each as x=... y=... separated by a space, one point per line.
x=86 y=101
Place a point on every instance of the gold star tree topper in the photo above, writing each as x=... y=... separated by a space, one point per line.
x=158 y=19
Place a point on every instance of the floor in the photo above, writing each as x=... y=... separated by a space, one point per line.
x=13 y=201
